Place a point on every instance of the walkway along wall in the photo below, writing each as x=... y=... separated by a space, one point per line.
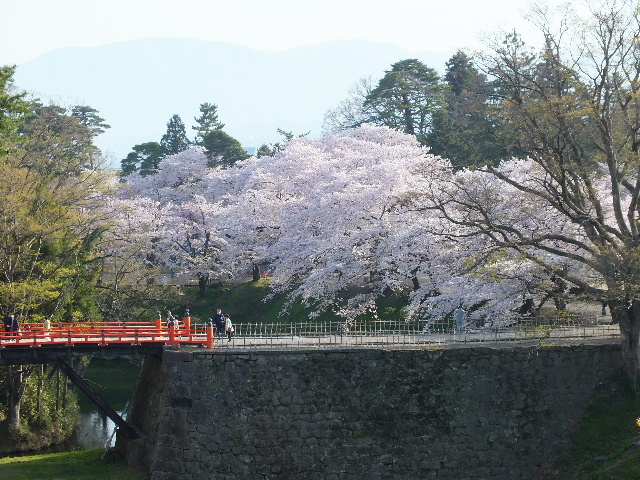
x=466 y=413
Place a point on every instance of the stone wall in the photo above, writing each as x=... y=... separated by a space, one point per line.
x=467 y=413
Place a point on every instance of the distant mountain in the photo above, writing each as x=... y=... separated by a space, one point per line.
x=138 y=85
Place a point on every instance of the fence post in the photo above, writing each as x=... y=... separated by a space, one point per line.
x=159 y=321
x=172 y=335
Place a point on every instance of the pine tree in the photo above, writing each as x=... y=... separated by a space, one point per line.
x=406 y=98
x=145 y=158
x=223 y=149
x=463 y=131
x=175 y=139
x=207 y=122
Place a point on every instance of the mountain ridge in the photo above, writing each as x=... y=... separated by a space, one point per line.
x=138 y=85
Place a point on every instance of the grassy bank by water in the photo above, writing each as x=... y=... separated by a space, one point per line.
x=87 y=465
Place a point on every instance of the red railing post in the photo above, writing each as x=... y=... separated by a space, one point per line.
x=210 y=335
x=172 y=335
x=159 y=321
x=187 y=323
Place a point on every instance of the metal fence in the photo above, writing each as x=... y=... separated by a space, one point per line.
x=554 y=330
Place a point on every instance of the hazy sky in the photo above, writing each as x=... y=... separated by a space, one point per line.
x=29 y=28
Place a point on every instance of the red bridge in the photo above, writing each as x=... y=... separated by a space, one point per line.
x=39 y=343
x=35 y=343
x=107 y=333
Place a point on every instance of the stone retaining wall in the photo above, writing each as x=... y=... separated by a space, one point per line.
x=464 y=413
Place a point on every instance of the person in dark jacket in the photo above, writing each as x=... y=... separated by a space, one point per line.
x=219 y=321
x=11 y=323
x=171 y=320
x=8 y=322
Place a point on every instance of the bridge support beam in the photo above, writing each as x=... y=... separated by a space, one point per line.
x=98 y=400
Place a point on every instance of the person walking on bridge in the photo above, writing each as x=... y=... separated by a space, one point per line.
x=219 y=320
x=171 y=320
x=8 y=322
x=228 y=326
x=458 y=315
x=11 y=323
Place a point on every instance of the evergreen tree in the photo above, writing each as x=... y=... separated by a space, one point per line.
x=206 y=122
x=56 y=142
x=89 y=117
x=406 y=98
x=464 y=131
x=175 y=139
x=145 y=158
x=270 y=150
x=96 y=125
x=223 y=149
x=13 y=110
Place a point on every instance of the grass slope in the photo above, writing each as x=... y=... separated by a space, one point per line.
x=604 y=445
x=87 y=465
x=245 y=302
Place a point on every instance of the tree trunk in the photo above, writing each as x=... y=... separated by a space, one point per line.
x=414 y=280
x=17 y=380
x=40 y=388
x=628 y=318
x=202 y=285
x=255 y=271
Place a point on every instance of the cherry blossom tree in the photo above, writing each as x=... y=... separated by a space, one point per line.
x=340 y=221
x=326 y=215
x=178 y=209
x=572 y=111
x=482 y=216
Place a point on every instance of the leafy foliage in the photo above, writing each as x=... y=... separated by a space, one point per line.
x=51 y=216
x=464 y=131
x=48 y=410
x=406 y=98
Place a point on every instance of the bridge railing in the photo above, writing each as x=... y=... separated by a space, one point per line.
x=378 y=332
x=316 y=333
x=106 y=333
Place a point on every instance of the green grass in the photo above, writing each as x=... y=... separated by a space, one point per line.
x=604 y=446
x=87 y=465
x=245 y=303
